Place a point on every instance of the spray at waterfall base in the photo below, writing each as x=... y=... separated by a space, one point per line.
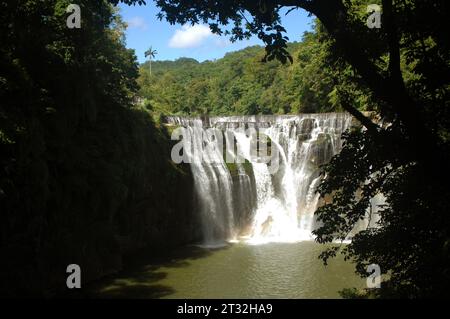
x=267 y=165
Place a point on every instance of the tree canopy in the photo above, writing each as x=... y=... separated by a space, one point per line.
x=241 y=83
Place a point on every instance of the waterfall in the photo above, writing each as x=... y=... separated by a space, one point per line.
x=279 y=203
x=304 y=142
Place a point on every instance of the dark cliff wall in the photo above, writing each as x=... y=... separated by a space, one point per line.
x=85 y=175
x=112 y=190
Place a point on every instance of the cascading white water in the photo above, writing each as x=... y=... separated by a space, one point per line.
x=286 y=198
x=212 y=185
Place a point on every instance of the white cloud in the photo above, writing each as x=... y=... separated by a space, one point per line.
x=137 y=23
x=190 y=36
x=222 y=43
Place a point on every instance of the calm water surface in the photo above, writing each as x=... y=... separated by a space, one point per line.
x=275 y=270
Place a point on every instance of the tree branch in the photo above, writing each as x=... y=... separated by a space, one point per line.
x=394 y=49
x=334 y=16
x=371 y=127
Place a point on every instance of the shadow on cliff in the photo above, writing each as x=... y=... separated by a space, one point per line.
x=142 y=274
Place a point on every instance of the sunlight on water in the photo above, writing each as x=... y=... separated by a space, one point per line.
x=271 y=270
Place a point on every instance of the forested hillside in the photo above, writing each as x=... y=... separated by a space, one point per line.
x=241 y=83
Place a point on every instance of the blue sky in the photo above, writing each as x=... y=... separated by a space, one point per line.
x=174 y=41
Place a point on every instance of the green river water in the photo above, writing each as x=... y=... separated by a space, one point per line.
x=274 y=270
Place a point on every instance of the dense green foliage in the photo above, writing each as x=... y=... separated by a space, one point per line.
x=85 y=176
x=402 y=71
x=403 y=160
x=242 y=83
